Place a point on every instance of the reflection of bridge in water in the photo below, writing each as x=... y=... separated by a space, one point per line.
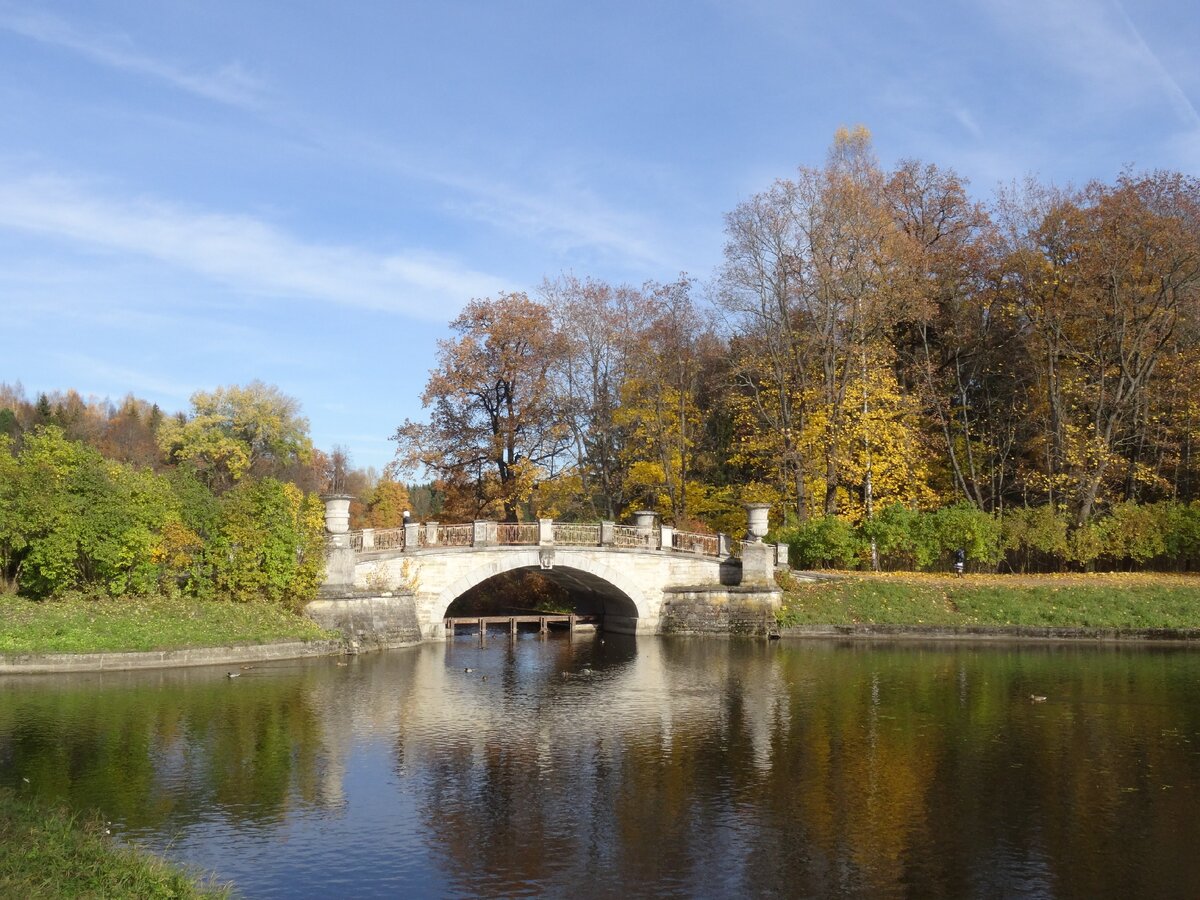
x=627 y=575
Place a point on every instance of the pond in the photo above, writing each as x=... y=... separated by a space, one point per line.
x=604 y=766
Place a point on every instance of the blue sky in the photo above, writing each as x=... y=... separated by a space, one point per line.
x=207 y=192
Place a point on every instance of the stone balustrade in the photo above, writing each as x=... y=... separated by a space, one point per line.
x=545 y=533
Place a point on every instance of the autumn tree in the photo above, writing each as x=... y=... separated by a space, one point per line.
x=963 y=355
x=130 y=432
x=761 y=290
x=234 y=431
x=495 y=427
x=386 y=504
x=661 y=413
x=817 y=274
x=1108 y=281
x=597 y=322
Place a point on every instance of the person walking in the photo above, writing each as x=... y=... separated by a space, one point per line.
x=960 y=561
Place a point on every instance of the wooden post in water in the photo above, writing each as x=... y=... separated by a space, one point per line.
x=571 y=624
x=482 y=631
x=512 y=628
x=542 y=626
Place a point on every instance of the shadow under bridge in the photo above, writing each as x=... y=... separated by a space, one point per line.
x=531 y=594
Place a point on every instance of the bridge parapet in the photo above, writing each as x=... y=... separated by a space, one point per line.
x=544 y=533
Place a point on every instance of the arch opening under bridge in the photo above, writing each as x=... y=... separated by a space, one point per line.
x=595 y=589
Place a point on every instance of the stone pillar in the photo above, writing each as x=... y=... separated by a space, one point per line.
x=668 y=537
x=758 y=564
x=757 y=525
x=545 y=532
x=723 y=547
x=645 y=525
x=485 y=534
x=412 y=536
x=608 y=534
x=339 y=555
x=368 y=539
x=431 y=534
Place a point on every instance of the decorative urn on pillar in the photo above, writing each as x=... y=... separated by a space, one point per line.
x=757 y=525
x=337 y=512
x=339 y=555
x=758 y=559
x=645 y=528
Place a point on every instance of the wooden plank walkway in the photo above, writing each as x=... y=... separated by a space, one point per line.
x=543 y=622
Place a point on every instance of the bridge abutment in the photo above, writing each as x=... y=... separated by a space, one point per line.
x=367 y=619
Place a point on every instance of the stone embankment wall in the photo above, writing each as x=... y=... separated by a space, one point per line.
x=43 y=663
x=724 y=610
x=369 y=620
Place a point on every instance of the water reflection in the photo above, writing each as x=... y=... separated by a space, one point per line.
x=666 y=767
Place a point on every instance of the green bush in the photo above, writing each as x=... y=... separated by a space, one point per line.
x=895 y=532
x=1181 y=534
x=270 y=545
x=822 y=543
x=1134 y=532
x=1035 y=537
x=966 y=526
x=78 y=520
x=71 y=520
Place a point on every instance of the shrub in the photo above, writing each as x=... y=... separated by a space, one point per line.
x=1181 y=534
x=1134 y=531
x=271 y=544
x=821 y=543
x=966 y=526
x=894 y=531
x=83 y=521
x=1034 y=537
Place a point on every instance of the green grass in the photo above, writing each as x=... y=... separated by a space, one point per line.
x=78 y=625
x=1091 y=601
x=50 y=853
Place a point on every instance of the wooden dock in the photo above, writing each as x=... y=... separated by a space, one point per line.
x=543 y=623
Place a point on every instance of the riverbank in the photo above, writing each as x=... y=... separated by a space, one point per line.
x=50 y=853
x=94 y=635
x=1086 y=606
x=147 y=624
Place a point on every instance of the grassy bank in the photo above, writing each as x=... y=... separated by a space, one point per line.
x=1093 y=601
x=145 y=623
x=49 y=853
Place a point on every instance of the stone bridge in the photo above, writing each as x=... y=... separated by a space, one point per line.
x=642 y=578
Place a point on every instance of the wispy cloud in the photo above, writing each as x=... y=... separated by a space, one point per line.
x=230 y=84
x=243 y=252
x=963 y=116
x=1179 y=99
x=560 y=210
x=1099 y=43
x=568 y=218
x=91 y=370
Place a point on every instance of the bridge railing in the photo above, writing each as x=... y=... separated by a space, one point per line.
x=633 y=536
x=694 y=542
x=389 y=539
x=574 y=534
x=456 y=535
x=516 y=534
x=544 y=532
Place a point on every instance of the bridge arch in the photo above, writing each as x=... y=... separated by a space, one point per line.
x=624 y=602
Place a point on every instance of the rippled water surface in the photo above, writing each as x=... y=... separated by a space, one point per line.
x=606 y=766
